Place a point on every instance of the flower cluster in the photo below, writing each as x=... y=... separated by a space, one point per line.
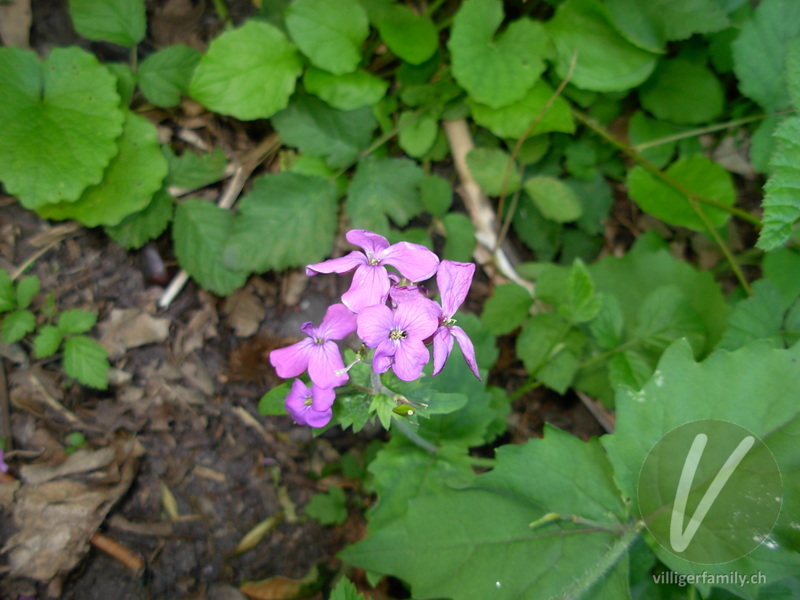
x=389 y=312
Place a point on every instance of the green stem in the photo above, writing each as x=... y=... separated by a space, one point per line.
x=433 y=7
x=412 y=436
x=531 y=384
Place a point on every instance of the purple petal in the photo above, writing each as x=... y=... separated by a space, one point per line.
x=370 y=287
x=372 y=243
x=339 y=322
x=292 y=360
x=442 y=346
x=310 y=330
x=414 y=262
x=322 y=398
x=467 y=349
x=409 y=359
x=296 y=401
x=344 y=264
x=325 y=359
x=418 y=318
x=453 y=279
x=374 y=324
x=384 y=356
x=318 y=418
x=403 y=293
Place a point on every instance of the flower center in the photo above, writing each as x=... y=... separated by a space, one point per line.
x=449 y=322
x=397 y=334
x=319 y=341
x=309 y=401
x=374 y=261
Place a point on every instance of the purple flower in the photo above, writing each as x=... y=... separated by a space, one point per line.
x=310 y=407
x=398 y=336
x=318 y=353
x=371 y=279
x=453 y=279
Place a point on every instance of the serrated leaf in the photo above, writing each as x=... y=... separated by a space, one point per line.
x=345 y=590
x=131 y=179
x=665 y=316
x=165 y=75
x=47 y=341
x=605 y=61
x=608 y=325
x=384 y=188
x=490 y=168
x=191 y=171
x=17 y=324
x=8 y=298
x=629 y=369
x=513 y=120
x=200 y=232
x=758 y=317
x=652 y=24
x=27 y=288
x=582 y=303
x=412 y=37
x=780 y=268
x=119 y=21
x=286 y=220
x=507 y=308
x=68 y=101
x=347 y=91
x=554 y=198
x=135 y=230
x=319 y=130
x=352 y=410
x=274 y=401
x=329 y=508
x=696 y=173
x=539 y=337
x=793 y=71
x=86 y=361
x=681 y=91
x=459 y=237
x=495 y=71
x=329 y=32
x=782 y=190
x=248 y=73
x=76 y=321
x=759 y=53
x=416 y=133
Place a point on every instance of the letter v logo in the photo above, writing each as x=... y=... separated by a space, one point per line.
x=679 y=537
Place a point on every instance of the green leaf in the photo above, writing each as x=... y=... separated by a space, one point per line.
x=508 y=307
x=47 y=341
x=200 y=231
x=286 y=220
x=681 y=91
x=490 y=168
x=665 y=316
x=651 y=25
x=126 y=81
x=630 y=369
x=436 y=195
x=495 y=71
x=384 y=188
x=76 y=321
x=352 y=410
x=119 y=21
x=329 y=32
x=17 y=325
x=347 y=91
x=319 y=130
x=793 y=71
x=605 y=61
x=86 y=361
x=329 y=508
x=539 y=234
x=135 y=230
x=582 y=303
x=782 y=190
x=165 y=75
x=416 y=132
x=696 y=173
x=345 y=590
x=759 y=53
x=642 y=129
x=129 y=182
x=608 y=325
x=8 y=298
x=513 y=120
x=248 y=73
x=779 y=267
x=554 y=198
x=538 y=339
x=69 y=101
x=459 y=237
x=596 y=202
x=191 y=171
x=274 y=401
x=27 y=288
x=758 y=317
x=410 y=36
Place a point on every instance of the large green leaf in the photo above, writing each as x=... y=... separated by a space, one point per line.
x=410 y=36
x=681 y=91
x=286 y=220
x=384 y=188
x=192 y=171
x=759 y=53
x=165 y=75
x=319 y=130
x=248 y=73
x=119 y=21
x=762 y=316
x=135 y=230
x=697 y=174
x=201 y=230
x=329 y=32
x=129 y=182
x=345 y=92
x=605 y=61
x=495 y=72
x=60 y=122
x=782 y=199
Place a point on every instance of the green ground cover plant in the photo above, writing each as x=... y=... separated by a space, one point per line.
x=580 y=111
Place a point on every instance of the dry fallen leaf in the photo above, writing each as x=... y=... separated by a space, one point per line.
x=244 y=312
x=131 y=328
